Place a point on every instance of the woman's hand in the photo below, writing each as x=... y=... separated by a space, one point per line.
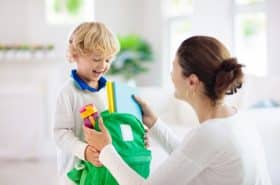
x=96 y=139
x=149 y=118
x=146 y=139
x=92 y=155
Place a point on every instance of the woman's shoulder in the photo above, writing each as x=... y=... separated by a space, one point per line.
x=206 y=141
x=215 y=124
x=214 y=132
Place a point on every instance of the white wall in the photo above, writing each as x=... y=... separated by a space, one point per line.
x=24 y=21
x=209 y=17
x=122 y=16
x=273 y=38
x=152 y=30
x=132 y=16
x=214 y=18
x=12 y=15
x=40 y=31
x=141 y=17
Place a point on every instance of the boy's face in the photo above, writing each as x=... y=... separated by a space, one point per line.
x=90 y=67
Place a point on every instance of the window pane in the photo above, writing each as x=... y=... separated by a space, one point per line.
x=251 y=42
x=179 y=7
x=70 y=11
x=179 y=31
x=248 y=2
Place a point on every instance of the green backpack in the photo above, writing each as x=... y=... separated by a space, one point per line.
x=127 y=134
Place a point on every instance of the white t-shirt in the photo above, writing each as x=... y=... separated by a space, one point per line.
x=218 y=152
x=67 y=129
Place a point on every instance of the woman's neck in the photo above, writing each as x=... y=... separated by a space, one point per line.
x=206 y=110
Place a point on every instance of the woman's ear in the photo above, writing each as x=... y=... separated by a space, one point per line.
x=193 y=81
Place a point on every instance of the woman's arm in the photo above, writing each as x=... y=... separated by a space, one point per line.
x=178 y=168
x=163 y=134
x=184 y=164
x=167 y=139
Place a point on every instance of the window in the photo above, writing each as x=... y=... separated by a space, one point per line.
x=178 y=17
x=69 y=11
x=250 y=35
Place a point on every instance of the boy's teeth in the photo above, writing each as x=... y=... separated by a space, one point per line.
x=97 y=72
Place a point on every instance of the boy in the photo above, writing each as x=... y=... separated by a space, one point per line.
x=92 y=46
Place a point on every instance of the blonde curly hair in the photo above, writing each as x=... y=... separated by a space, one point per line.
x=92 y=38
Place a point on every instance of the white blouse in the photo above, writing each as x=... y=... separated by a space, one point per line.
x=223 y=151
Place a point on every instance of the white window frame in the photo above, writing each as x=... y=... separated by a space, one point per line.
x=259 y=7
x=167 y=55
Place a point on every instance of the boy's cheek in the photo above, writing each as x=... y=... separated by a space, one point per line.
x=108 y=68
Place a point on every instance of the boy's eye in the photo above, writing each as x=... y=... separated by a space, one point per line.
x=98 y=60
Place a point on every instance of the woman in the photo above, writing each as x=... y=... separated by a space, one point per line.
x=222 y=150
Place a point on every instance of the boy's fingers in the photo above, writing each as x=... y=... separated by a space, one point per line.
x=101 y=125
x=86 y=135
x=93 y=149
x=90 y=132
x=96 y=155
x=86 y=130
x=97 y=164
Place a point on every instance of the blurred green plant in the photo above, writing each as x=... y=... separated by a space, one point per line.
x=74 y=6
x=26 y=47
x=252 y=25
x=2 y=47
x=134 y=53
x=71 y=6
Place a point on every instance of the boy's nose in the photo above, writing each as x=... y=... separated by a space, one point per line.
x=102 y=65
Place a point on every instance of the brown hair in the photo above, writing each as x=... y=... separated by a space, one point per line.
x=210 y=60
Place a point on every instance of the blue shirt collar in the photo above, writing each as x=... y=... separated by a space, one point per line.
x=81 y=84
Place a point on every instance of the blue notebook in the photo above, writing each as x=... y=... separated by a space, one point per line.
x=124 y=101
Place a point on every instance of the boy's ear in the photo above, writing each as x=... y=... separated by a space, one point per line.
x=75 y=57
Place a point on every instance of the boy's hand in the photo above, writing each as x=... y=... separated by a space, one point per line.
x=97 y=139
x=149 y=118
x=92 y=155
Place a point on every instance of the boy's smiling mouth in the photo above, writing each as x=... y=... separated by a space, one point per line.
x=97 y=73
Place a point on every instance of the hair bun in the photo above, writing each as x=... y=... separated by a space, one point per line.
x=229 y=65
x=229 y=77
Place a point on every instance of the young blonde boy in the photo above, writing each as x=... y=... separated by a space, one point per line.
x=91 y=46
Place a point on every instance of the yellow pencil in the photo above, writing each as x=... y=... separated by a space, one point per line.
x=110 y=97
